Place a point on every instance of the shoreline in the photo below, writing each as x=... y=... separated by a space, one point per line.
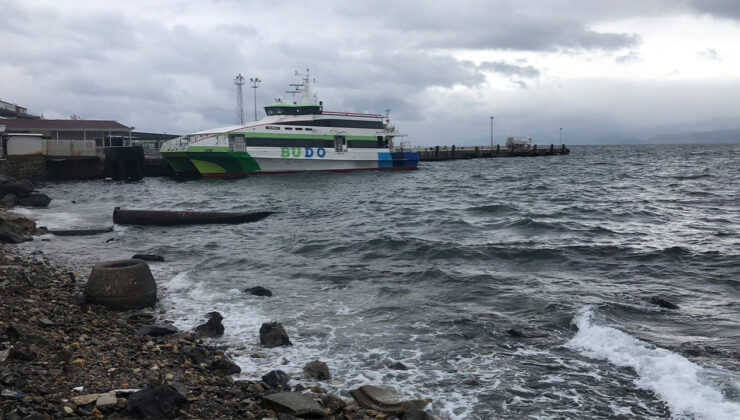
x=52 y=343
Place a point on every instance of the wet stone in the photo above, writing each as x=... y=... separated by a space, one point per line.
x=259 y=291
x=317 y=370
x=300 y=405
x=212 y=328
x=272 y=334
x=277 y=378
x=385 y=398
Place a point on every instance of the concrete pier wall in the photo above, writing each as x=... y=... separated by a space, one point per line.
x=474 y=152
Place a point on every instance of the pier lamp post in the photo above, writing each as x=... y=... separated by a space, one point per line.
x=561 y=136
x=491 y=133
x=255 y=84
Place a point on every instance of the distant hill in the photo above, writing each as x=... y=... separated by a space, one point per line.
x=714 y=136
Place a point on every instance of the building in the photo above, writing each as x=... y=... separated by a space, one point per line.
x=103 y=133
x=8 y=110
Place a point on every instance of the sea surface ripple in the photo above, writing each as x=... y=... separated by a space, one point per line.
x=510 y=288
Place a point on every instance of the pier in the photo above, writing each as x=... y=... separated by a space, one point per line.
x=437 y=153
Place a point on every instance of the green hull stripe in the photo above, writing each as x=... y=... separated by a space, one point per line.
x=179 y=162
x=220 y=162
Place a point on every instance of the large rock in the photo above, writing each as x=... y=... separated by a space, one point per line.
x=293 y=403
x=212 y=328
x=317 y=370
x=21 y=188
x=121 y=285
x=18 y=224
x=272 y=334
x=385 y=398
x=157 y=402
x=277 y=378
x=34 y=200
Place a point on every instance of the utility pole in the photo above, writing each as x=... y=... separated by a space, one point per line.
x=255 y=84
x=239 y=81
x=491 y=133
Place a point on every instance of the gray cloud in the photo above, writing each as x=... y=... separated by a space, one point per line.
x=728 y=9
x=510 y=69
x=630 y=57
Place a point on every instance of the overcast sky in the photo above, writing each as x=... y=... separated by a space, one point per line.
x=602 y=70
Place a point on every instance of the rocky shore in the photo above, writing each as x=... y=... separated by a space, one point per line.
x=61 y=357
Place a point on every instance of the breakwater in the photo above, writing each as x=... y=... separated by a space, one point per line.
x=475 y=152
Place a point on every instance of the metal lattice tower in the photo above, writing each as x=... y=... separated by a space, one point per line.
x=239 y=81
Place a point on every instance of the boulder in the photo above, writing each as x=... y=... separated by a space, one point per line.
x=656 y=300
x=8 y=200
x=156 y=402
x=277 y=378
x=157 y=330
x=17 y=223
x=317 y=370
x=34 y=200
x=224 y=367
x=259 y=291
x=21 y=188
x=148 y=257
x=121 y=285
x=272 y=334
x=385 y=398
x=8 y=237
x=212 y=328
x=293 y=403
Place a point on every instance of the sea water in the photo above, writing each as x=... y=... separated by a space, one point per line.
x=509 y=288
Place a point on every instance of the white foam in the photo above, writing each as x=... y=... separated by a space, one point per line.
x=683 y=385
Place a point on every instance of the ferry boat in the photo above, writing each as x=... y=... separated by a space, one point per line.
x=294 y=136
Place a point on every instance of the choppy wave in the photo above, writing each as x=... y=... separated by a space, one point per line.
x=687 y=388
